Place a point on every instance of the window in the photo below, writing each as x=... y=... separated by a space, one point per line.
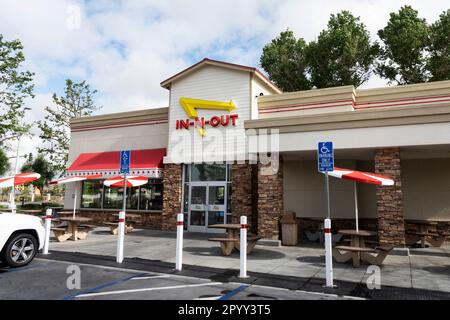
x=132 y=198
x=113 y=198
x=146 y=197
x=208 y=172
x=92 y=194
x=151 y=196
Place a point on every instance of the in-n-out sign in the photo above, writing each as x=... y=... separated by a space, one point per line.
x=190 y=106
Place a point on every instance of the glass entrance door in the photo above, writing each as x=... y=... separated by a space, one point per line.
x=207 y=206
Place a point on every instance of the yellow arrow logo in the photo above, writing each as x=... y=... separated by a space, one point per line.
x=190 y=105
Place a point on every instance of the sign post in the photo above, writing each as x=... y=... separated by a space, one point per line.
x=325 y=156
x=125 y=156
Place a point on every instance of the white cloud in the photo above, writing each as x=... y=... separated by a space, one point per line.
x=126 y=48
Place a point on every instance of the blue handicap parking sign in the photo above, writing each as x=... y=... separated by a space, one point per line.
x=325 y=156
x=125 y=156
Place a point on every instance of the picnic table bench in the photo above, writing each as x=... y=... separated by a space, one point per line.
x=228 y=244
x=373 y=256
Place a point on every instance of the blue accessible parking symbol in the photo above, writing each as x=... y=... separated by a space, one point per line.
x=325 y=155
x=125 y=161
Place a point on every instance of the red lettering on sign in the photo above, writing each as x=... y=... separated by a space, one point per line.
x=184 y=124
x=200 y=122
x=234 y=118
x=214 y=122
x=224 y=120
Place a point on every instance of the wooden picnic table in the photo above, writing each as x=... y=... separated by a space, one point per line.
x=73 y=232
x=423 y=232
x=233 y=239
x=357 y=244
x=129 y=222
x=232 y=229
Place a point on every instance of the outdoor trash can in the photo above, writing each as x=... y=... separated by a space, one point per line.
x=289 y=229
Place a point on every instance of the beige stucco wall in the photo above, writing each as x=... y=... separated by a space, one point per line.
x=425 y=185
x=426 y=188
x=304 y=191
x=152 y=136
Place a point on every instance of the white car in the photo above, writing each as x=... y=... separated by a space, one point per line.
x=21 y=237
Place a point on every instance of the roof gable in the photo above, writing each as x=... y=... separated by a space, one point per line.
x=205 y=62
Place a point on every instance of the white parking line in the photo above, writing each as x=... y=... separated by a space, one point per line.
x=209 y=298
x=145 y=289
x=150 y=277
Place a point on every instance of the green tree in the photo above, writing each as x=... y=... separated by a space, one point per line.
x=43 y=167
x=343 y=53
x=15 y=86
x=284 y=60
x=55 y=129
x=439 y=48
x=4 y=162
x=403 y=57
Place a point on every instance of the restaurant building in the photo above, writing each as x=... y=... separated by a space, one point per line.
x=203 y=154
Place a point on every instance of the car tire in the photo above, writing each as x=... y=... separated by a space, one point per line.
x=20 y=250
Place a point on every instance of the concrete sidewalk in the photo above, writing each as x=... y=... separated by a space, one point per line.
x=425 y=269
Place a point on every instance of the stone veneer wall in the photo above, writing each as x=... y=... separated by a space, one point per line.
x=242 y=195
x=312 y=225
x=172 y=183
x=391 y=224
x=270 y=202
x=150 y=220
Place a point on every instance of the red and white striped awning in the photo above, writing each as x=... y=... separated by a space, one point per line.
x=147 y=162
x=18 y=179
x=75 y=179
x=132 y=181
x=361 y=176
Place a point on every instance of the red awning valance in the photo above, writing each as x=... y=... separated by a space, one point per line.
x=148 y=162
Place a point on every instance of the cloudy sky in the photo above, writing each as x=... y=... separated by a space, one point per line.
x=124 y=49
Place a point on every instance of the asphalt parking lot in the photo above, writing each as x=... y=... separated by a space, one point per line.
x=57 y=280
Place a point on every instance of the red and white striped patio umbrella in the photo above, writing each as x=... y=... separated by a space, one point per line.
x=75 y=179
x=361 y=176
x=15 y=180
x=132 y=181
x=18 y=179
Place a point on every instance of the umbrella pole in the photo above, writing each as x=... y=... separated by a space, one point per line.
x=75 y=202
x=13 y=200
x=356 y=205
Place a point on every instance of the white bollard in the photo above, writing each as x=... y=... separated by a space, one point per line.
x=243 y=248
x=121 y=237
x=179 y=249
x=48 y=226
x=328 y=254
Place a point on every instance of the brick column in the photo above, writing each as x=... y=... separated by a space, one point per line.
x=391 y=225
x=241 y=195
x=270 y=202
x=172 y=195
